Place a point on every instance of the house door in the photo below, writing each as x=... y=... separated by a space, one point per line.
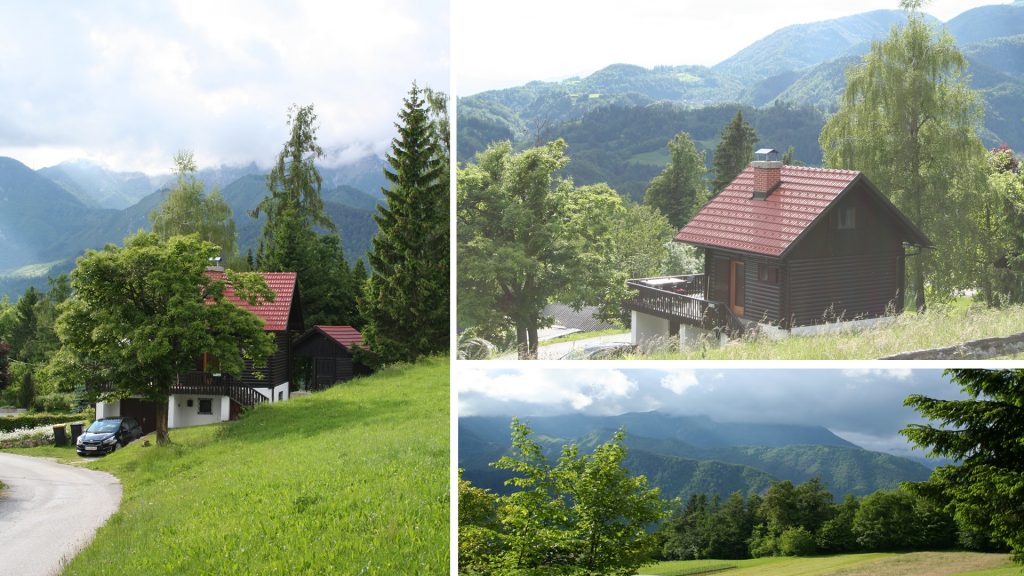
x=737 y=292
x=323 y=372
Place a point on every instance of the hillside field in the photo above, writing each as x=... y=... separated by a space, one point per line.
x=352 y=480
x=889 y=564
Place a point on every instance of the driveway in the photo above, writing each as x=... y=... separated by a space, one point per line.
x=49 y=511
x=557 y=351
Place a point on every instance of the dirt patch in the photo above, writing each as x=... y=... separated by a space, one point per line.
x=926 y=564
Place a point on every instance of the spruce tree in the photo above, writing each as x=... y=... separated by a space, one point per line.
x=734 y=152
x=406 y=299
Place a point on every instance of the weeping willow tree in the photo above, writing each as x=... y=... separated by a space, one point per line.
x=909 y=121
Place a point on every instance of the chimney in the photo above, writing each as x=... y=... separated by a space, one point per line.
x=767 y=172
x=215 y=265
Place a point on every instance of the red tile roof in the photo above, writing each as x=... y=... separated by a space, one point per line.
x=344 y=335
x=274 y=314
x=735 y=220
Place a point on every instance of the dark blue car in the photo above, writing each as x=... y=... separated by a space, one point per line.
x=106 y=435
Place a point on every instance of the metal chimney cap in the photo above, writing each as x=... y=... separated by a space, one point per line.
x=769 y=154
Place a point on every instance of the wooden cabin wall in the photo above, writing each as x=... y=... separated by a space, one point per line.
x=859 y=286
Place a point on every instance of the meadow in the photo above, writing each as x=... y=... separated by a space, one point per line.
x=878 y=564
x=352 y=480
x=943 y=325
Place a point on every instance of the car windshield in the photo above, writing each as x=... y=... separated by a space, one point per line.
x=104 y=426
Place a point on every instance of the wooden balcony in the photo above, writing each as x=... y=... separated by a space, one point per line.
x=204 y=383
x=682 y=299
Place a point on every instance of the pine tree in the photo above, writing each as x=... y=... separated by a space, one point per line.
x=734 y=152
x=406 y=299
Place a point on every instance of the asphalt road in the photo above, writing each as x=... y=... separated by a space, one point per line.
x=48 y=512
x=556 y=351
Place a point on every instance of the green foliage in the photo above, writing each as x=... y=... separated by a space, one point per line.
x=734 y=152
x=909 y=121
x=584 y=515
x=143 y=313
x=35 y=419
x=1000 y=217
x=350 y=480
x=680 y=190
x=27 y=390
x=885 y=521
x=406 y=300
x=188 y=210
x=983 y=435
x=836 y=535
x=527 y=237
x=797 y=541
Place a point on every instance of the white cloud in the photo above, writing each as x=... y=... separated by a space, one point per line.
x=679 y=382
x=483 y=391
x=131 y=83
x=874 y=373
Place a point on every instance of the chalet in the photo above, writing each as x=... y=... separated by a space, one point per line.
x=330 y=349
x=784 y=246
x=204 y=395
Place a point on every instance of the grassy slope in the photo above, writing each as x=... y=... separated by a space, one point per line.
x=912 y=564
x=353 y=480
x=941 y=326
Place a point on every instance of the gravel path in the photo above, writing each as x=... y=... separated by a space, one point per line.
x=49 y=511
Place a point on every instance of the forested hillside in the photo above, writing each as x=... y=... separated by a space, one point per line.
x=618 y=119
x=685 y=455
x=50 y=216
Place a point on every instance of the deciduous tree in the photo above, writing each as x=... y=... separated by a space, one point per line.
x=908 y=121
x=528 y=237
x=189 y=210
x=680 y=190
x=142 y=314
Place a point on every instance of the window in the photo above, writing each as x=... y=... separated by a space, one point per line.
x=847 y=218
x=206 y=405
x=768 y=274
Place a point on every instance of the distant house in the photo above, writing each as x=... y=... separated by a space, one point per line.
x=330 y=349
x=204 y=395
x=785 y=246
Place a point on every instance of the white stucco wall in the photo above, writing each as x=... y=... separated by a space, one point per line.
x=277 y=393
x=108 y=409
x=181 y=415
x=644 y=327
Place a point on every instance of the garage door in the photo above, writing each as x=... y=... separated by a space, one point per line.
x=143 y=411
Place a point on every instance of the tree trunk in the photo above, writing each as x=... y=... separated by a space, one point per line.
x=162 y=438
x=532 y=335
x=919 y=303
x=522 y=341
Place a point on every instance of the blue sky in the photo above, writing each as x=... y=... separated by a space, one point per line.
x=500 y=44
x=863 y=405
x=129 y=83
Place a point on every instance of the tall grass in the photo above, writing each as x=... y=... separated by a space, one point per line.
x=916 y=563
x=941 y=325
x=352 y=480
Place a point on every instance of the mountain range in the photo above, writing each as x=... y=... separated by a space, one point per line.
x=798 y=69
x=686 y=455
x=50 y=216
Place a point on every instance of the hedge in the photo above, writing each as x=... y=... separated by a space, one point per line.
x=34 y=419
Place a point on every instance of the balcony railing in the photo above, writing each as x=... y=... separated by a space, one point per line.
x=204 y=383
x=682 y=298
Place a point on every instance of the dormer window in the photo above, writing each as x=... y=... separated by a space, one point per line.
x=847 y=218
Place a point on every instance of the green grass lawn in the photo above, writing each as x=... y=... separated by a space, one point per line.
x=352 y=480
x=910 y=564
x=582 y=336
x=941 y=326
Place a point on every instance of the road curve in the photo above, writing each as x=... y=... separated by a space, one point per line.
x=49 y=511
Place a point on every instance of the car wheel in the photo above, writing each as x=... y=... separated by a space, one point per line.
x=117 y=446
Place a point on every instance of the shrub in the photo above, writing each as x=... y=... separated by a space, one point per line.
x=797 y=541
x=55 y=402
x=36 y=419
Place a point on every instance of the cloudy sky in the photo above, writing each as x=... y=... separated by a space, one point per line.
x=864 y=406
x=128 y=83
x=499 y=44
